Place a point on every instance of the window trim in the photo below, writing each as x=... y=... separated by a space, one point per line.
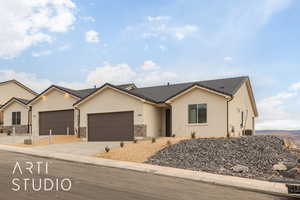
x=197 y=123
x=17 y=120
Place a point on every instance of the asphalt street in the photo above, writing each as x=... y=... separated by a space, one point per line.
x=27 y=177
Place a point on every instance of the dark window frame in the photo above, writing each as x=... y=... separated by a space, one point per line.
x=16 y=118
x=197 y=119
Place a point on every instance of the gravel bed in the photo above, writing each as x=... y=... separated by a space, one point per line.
x=250 y=157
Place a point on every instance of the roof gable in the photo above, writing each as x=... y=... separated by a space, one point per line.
x=117 y=88
x=20 y=85
x=21 y=101
x=53 y=87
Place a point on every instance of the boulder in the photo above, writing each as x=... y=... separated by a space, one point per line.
x=292 y=173
x=240 y=168
x=279 y=167
x=288 y=143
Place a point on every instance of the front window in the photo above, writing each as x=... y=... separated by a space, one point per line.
x=16 y=118
x=197 y=113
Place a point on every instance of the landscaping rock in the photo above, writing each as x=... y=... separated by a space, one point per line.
x=279 y=167
x=240 y=168
x=251 y=157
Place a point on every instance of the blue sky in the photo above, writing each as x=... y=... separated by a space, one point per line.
x=81 y=43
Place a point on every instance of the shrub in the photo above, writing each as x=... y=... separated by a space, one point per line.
x=107 y=149
x=153 y=140
x=8 y=132
x=122 y=144
x=169 y=143
x=135 y=141
x=173 y=135
x=193 y=135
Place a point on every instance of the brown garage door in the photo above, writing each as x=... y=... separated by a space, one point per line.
x=117 y=126
x=58 y=121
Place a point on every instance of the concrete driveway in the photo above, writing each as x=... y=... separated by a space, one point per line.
x=79 y=148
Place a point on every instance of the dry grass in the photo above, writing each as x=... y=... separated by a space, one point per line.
x=140 y=151
x=57 y=139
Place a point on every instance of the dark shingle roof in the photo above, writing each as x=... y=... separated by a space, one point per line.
x=78 y=93
x=24 y=101
x=85 y=92
x=159 y=94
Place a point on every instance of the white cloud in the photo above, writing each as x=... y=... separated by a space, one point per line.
x=41 y=53
x=276 y=112
x=163 y=28
x=272 y=7
x=25 y=23
x=121 y=73
x=92 y=36
x=149 y=65
x=228 y=59
x=88 y=19
x=29 y=79
x=158 y=18
x=295 y=86
x=163 y=48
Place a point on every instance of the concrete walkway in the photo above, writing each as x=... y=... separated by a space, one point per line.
x=4 y=139
x=78 y=148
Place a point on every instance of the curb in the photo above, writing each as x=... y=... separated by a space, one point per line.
x=243 y=183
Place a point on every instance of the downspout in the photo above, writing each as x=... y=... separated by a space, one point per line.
x=78 y=122
x=29 y=120
x=228 y=134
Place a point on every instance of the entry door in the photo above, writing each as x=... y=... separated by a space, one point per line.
x=168 y=123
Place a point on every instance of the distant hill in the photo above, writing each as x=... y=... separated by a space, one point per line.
x=278 y=131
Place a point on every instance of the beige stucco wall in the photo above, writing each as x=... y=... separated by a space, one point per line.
x=216 y=114
x=15 y=107
x=11 y=89
x=241 y=102
x=153 y=120
x=53 y=100
x=110 y=100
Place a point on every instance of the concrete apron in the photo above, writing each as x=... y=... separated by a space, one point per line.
x=243 y=183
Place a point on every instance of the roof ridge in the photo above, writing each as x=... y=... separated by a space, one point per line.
x=193 y=82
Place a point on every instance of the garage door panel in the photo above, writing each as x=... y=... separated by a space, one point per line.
x=57 y=121
x=110 y=126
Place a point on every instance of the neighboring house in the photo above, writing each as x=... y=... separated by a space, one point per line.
x=16 y=115
x=10 y=89
x=53 y=110
x=214 y=108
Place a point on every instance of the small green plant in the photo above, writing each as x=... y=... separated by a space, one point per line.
x=122 y=144
x=173 y=135
x=193 y=135
x=153 y=140
x=169 y=143
x=107 y=149
x=135 y=141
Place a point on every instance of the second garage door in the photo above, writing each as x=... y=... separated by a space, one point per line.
x=60 y=122
x=117 y=126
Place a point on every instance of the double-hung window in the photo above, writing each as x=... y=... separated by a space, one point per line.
x=16 y=118
x=197 y=113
